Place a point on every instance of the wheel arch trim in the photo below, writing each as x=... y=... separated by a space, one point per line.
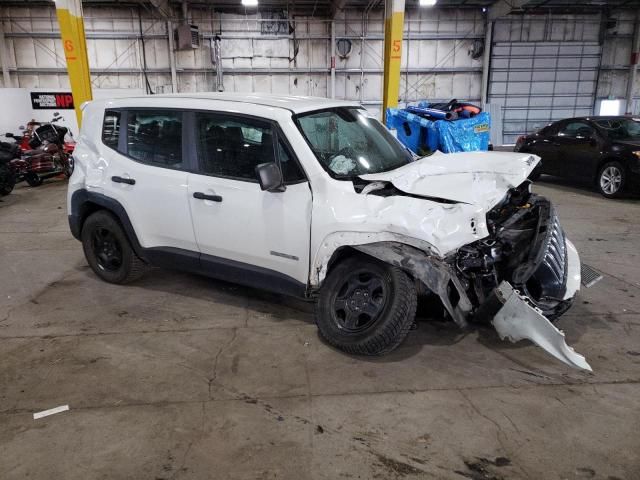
x=84 y=203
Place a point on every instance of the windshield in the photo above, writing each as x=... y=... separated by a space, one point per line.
x=620 y=128
x=348 y=143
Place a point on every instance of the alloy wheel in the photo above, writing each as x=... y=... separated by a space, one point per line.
x=610 y=180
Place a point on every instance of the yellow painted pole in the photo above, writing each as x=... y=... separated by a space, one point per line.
x=75 y=51
x=393 y=27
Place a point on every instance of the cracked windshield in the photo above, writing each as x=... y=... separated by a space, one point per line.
x=348 y=142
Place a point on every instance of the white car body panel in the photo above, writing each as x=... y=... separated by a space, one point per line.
x=268 y=230
x=479 y=178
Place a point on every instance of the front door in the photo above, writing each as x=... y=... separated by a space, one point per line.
x=578 y=150
x=240 y=229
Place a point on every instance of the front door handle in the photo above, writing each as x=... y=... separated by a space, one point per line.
x=128 y=181
x=204 y=196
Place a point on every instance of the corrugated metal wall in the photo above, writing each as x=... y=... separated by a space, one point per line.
x=552 y=67
x=266 y=52
x=258 y=53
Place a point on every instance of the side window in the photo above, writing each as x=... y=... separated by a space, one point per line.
x=111 y=128
x=576 y=129
x=232 y=147
x=291 y=171
x=155 y=137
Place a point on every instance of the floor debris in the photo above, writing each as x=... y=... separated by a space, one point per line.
x=51 y=411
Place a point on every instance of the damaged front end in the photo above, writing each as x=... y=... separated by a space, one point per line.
x=525 y=274
x=520 y=278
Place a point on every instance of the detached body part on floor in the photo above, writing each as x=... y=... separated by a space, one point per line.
x=340 y=212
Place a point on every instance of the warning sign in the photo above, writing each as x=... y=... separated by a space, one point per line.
x=52 y=100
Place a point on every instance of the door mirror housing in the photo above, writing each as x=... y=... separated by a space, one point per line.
x=270 y=177
x=8 y=135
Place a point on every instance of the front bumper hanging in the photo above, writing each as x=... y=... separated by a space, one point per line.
x=519 y=320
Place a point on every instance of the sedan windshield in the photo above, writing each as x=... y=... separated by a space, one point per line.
x=348 y=143
x=620 y=128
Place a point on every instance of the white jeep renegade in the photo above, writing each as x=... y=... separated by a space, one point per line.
x=314 y=198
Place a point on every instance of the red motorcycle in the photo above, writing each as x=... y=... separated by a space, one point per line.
x=27 y=134
x=47 y=158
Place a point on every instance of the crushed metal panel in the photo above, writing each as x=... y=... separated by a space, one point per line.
x=517 y=320
x=431 y=271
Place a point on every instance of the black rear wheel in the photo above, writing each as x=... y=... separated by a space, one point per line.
x=366 y=307
x=7 y=180
x=33 y=179
x=108 y=251
x=68 y=167
x=611 y=179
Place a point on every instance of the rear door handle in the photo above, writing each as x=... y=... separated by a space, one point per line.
x=204 y=196
x=128 y=181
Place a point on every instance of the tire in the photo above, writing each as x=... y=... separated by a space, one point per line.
x=68 y=167
x=611 y=179
x=108 y=251
x=33 y=179
x=7 y=180
x=366 y=307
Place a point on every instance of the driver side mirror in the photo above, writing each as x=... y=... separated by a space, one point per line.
x=8 y=135
x=270 y=177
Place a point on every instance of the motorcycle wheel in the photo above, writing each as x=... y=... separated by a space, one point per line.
x=68 y=167
x=33 y=179
x=7 y=180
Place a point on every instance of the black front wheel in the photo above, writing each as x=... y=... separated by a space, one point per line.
x=7 y=180
x=108 y=251
x=366 y=307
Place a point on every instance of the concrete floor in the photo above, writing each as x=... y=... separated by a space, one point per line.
x=181 y=377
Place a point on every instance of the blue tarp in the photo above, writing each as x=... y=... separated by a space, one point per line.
x=465 y=135
x=421 y=135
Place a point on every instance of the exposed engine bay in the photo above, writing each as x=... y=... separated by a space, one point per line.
x=526 y=248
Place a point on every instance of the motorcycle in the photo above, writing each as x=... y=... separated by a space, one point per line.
x=27 y=133
x=48 y=157
x=8 y=153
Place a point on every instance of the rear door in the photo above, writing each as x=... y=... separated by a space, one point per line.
x=146 y=172
x=238 y=226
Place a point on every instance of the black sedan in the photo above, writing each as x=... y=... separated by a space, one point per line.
x=605 y=150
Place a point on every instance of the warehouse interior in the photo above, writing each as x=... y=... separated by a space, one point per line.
x=179 y=376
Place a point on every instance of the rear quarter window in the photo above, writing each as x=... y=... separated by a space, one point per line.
x=111 y=128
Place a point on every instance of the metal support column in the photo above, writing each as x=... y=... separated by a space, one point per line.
x=633 y=65
x=333 y=58
x=486 y=62
x=394 y=24
x=75 y=51
x=4 y=58
x=172 y=57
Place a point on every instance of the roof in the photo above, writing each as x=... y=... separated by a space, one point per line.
x=295 y=104
x=598 y=117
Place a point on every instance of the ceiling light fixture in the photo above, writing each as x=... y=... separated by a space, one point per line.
x=250 y=3
x=428 y=3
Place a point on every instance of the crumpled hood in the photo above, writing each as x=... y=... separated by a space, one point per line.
x=478 y=178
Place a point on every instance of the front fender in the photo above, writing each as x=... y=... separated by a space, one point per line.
x=336 y=240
